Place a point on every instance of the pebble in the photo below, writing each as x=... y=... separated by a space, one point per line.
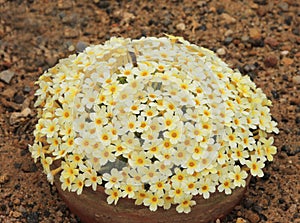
x=18 y=98
x=102 y=4
x=284 y=52
x=71 y=33
x=8 y=93
x=275 y=94
x=26 y=89
x=70 y=20
x=65 y=4
x=228 y=19
x=6 y=76
x=180 y=26
x=296 y=31
x=15 y=214
x=283 y=6
x=228 y=32
x=32 y=217
x=17 y=201
x=271 y=42
x=4 y=178
x=260 y=2
x=221 y=51
x=80 y=46
x=228 y=40
x=22 y=209
x=245 y=38
x=270 y=61
x=296 y=79
x=71 y=48
x=255 y=33
x=51 y=60
x=252 y=217
x=288 y=20
x=287 y=61
x=240 y=220
x=16 y=117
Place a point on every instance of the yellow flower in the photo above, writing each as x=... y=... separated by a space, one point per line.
x=50 y=127
x=92 y=179
x=78 y=184
x=114 y=195
x=185 y=205
x=255 y=166
x=238 y=176
x=128 y=190
x=177 y=192
x=268 y=148
x=153 y=201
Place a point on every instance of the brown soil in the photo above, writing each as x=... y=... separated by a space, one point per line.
x=261 y=38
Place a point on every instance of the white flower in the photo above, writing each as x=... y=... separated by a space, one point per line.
x=113 y=179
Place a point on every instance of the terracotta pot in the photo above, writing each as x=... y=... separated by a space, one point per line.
x=91 y=206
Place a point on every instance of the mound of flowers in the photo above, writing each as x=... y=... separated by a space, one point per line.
x=157 y=120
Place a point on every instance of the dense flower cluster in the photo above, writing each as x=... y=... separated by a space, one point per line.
x=158 y=120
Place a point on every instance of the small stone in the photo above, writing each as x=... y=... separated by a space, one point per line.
x=287 y=61
x=17 y=201
x=16 y=214
x=275 y=94
x=51 y=60
x=255 y=33
x=212 y=9
x=284 y=52
x=4 y=178
x=252 y=217
x=228 y=32
x=296 y=31
x=288 y=20
x=270 y=61
x=283 y=6
x=33 y=217
x=22 y=209
x=180 y=26
x=228 y=19
x=102 y=4
x=71 y=48
x=261 y=11
x=228 y=40
x=71 y=33
x=18 y=98
x=265 y=203
x=6 y=76
x=271 y=42
x=221 y=51
x=65 y=4
x=240 y=220
x=16 y=117
x=296 y=79
x=260 y=2
x=80 y=46
x=8 y=93
x=253 y=5
x=245 y=38
x=26 y=89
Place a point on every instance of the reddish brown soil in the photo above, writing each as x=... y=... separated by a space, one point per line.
x=261 y=38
